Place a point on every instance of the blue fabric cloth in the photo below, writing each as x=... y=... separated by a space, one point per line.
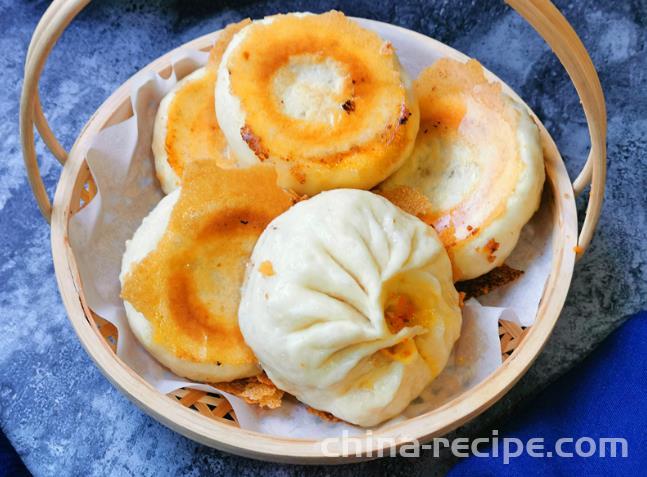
x=603 y=397
x=10 y=463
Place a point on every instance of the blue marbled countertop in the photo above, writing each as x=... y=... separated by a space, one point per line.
x=64 y=417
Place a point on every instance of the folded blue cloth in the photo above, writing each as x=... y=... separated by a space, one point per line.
x=602 y=397
x=10 y=463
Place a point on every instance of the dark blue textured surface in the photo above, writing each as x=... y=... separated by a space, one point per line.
x=10 y=463
x=603 y=397
x=63 y=417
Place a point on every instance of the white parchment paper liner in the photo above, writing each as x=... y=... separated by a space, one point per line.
x=122 y=166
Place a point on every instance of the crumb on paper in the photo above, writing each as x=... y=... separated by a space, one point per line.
x=266 y=269
x=490 y=281
x=259 y=390
x=323 y=415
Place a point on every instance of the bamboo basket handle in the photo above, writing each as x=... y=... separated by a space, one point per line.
x=541 y=14
x=551 y=25
x=42 y=125
x=49 y=29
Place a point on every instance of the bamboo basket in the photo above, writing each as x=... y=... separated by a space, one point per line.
x=208 y=418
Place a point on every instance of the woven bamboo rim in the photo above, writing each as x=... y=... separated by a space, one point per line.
x=214 y=423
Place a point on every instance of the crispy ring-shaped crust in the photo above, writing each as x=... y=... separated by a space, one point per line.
x=185 y=125
x=477 y=170
x=320 y=97
x=182 y=271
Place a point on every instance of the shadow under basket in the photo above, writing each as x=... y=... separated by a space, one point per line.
x=208 y=418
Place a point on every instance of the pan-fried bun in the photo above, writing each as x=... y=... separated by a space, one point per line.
x=185 y=125
x=477 y=170
x=350 y=306
x=182 y=271
x=321 y=98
